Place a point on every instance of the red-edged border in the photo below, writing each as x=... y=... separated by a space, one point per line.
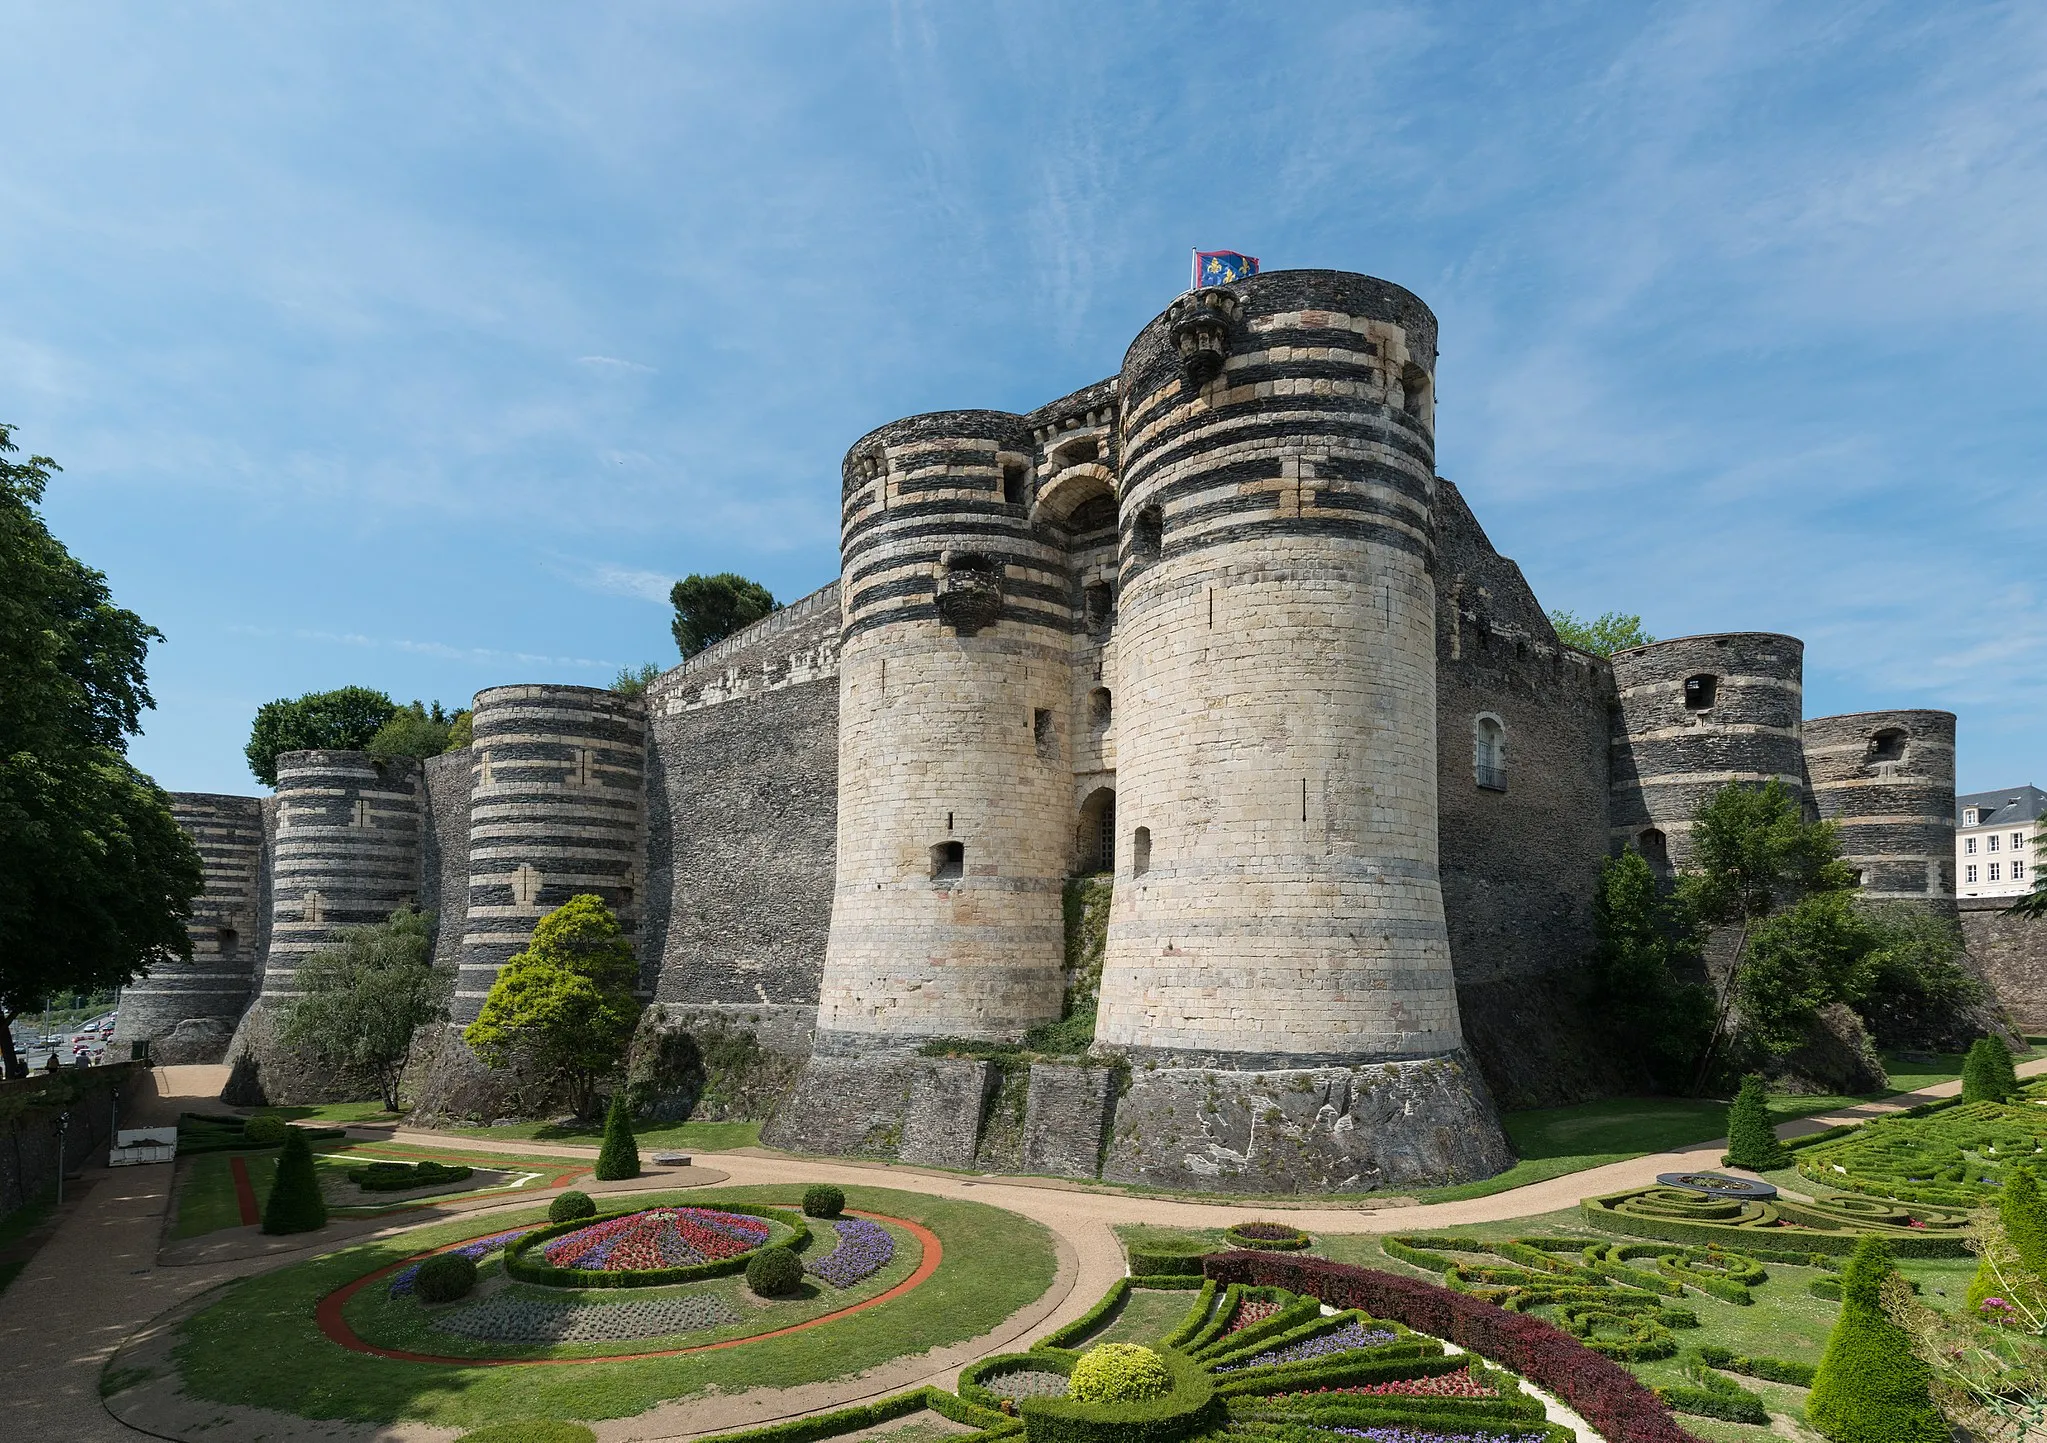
x=335 y=1325
x=245 y=1190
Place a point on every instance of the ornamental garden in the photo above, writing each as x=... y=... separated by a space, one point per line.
x=518 y=1297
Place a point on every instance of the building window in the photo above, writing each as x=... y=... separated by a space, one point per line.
x=1700 y=691
x=1140 y=851
x=1969 y=873
x=1654 y=849
x=1489 y=753
x=2018 y=871
x=1887 y=745
x=1990 y=842
x=1099 y=708
x=1993 y=871
x=1012 y=483
x=1148 y=534
x=1100 y=605
x=1968 y=816
x=948 y=861
x=2018 y=841
x=1968 y=846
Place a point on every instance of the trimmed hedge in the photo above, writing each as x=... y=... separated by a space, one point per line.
x=1195 y=1316
x=1167 y=1282
x=774 y=1272
x=1192 y=1407
x=619 y=1157
x=1279 y=1237
x=265 y=1131
x=444 y=1277
x=1954 y=1161
x=531 y=1430
x=1605 y=1394
x=571 y=1207
x=844 y=1420
x=1709 y=1395
x=822 y=1200
x=1675 y=1216
x=1776 y=1370
x=973 y=1381
x=521 y=1263
x=400 y=1176
x=1150 y=1260
x=1087 y=1322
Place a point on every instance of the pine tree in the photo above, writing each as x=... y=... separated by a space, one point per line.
x=1871 y=1387
x=1751 y=1139
x=620 y=1155
x=295 y=1204
x=2007 y=1071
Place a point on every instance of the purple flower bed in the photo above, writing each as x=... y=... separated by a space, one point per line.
x=864 y=1249
x=1339 y=1340
x=401 y=1281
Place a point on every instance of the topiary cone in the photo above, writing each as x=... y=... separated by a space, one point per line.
x=2006 y=1070
x=1871 y=1387
x=1751 y=1139
x=1984 y=1072
x=620 y=1155
x=295 y=1204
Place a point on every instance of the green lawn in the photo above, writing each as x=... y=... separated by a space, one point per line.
x=259 y=1345
x=1147 y=1314
x=206 y=1199
x=695 y=1136
x=338 y=1114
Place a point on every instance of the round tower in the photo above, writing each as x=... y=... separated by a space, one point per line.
x=1696 y=713
x=346 y=854
x=557 y=778
x=955 y=780
x=1277 y=907
x=1886 y=779
x=187 y=1011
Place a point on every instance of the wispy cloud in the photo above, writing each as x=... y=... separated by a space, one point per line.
x=618 y=580
x=613 y=363
x=444 y=650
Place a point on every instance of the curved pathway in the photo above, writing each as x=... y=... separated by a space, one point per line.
x=97 y=1280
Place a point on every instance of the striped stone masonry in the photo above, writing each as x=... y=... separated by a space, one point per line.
x=347 y=852
x=1696 y=713
x=186 y=1011
x=557 y=782
x=1886 y=779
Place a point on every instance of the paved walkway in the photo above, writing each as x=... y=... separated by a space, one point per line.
x=98 y=1280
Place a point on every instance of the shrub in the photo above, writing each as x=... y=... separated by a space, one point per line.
x=295 y=1204
x=774 y=1273
x=1283 y=1237
x=1120 y=1373
x=620 y=1156
x=1191 y=1407
x=1987 y=1072
x=1168 y=1258
x=822 y=1200
x=570 y=1206
x=444 y=1277
x=266 y=1131
x=1751 y=1140
x=399 y=1176
x=1870 y=1387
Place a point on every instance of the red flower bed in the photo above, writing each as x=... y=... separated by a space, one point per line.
x=1459 y=1384
x=1606 y=1395
x=1250 y=1311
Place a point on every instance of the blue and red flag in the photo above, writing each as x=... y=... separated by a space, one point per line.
x=1219 y=268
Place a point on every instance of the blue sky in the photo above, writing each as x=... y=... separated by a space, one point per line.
x=422 y=346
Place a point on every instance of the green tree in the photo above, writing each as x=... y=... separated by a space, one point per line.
x=632 y=681
x=711 y=608
x=295 y=1204
x=461 y=731
x=1871 y=1387
x=1753 y=853
x=619 y=1157
x=96 y=878
x=1914 y=990
x=1799 y=959
x=2014 y=1266
x=1751 y=1136
x=415 y=731
x=345 y=719
x=1644 y=937
x=1604 y=635
x=566 y=1002
x=362 y=997
x=2034 y=903
x=1987 y=1072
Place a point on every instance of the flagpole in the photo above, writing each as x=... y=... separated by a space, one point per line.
x=1194 y=268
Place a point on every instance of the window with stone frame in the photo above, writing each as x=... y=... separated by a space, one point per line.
x=948 y=861
x=1489 y=753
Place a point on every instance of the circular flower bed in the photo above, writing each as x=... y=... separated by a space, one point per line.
x=1718 y=1184
x=651 y=1247
x=1280 y=1237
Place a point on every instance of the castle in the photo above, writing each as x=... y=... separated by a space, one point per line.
x=1213 y=625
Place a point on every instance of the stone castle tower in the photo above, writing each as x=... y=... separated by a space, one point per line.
x=1209 y=641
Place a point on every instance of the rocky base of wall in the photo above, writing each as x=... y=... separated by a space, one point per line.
x=723 y=1063
x=201 y=1040
x=1837 y=1058
x=446 y=1082
x=1536 y=1042
x=1389 y=1125
x=263 y=1072
x=897 y=1108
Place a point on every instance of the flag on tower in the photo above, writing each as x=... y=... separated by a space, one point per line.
x=1219 y=268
